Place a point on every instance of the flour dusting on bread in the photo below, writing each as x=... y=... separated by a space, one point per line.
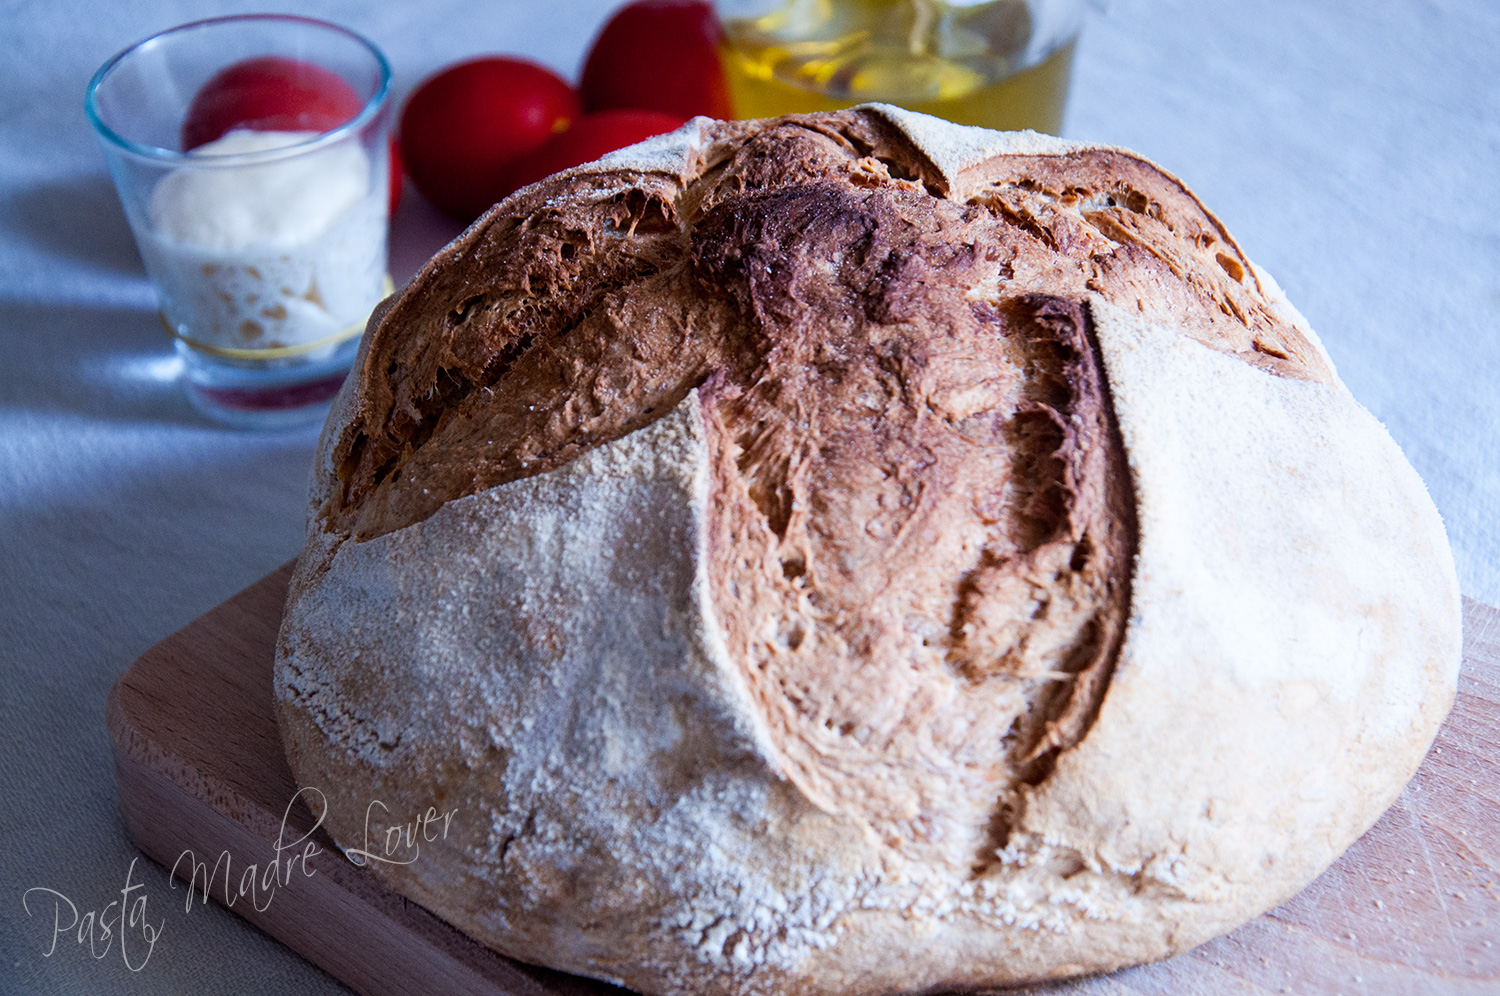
x=859 y=554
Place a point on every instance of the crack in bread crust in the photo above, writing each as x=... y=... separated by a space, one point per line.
x=578 y=312
x=916 y=466
x=915 y=470
x=926 y=601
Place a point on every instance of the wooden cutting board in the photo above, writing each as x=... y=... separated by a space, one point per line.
x=1412 y=908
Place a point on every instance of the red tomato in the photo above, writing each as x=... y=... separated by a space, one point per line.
x=590 y=137
x=274 y=93
x=398 y=172
x=463 y=128
x=661 y=55
x=269 y=93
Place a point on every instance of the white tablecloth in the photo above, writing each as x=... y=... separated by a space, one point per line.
x=1353 y=149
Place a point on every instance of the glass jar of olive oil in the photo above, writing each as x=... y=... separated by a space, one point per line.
x=1002 y=64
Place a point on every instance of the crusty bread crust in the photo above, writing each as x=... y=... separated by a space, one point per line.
x=858 y=554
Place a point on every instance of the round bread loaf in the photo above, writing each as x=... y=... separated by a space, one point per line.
x=856 y=554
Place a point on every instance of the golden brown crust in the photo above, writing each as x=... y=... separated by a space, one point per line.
x=1166 y=255
x=578 y=312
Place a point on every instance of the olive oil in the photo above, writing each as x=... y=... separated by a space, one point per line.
x=974 y=63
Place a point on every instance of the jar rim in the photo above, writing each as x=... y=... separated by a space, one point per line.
x=372 y=106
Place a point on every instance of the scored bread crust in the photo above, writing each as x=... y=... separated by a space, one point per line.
x=717 y=713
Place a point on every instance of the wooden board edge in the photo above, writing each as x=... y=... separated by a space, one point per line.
x=1481 y=636
x=341 y=919
x=368 y=948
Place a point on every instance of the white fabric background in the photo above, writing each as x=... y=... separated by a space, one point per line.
x=1353 y=149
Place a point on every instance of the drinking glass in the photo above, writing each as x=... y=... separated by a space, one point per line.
x=267 y=246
